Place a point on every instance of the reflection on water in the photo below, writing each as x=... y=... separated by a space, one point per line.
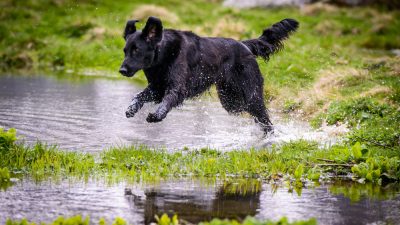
x=196 y=201
x=89 y=115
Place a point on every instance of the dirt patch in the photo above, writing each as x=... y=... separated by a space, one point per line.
x=228 y=27
x=224 y=27
x=392 y=63
x=327 y=87
x=378 y=90
x=395 y=68
x=142 y=12
x=327 y=27
x=380 y=22
x=96 y=33
x=317 y=8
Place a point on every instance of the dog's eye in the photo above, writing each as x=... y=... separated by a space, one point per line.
x=134 y=50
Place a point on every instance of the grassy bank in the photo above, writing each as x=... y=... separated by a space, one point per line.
x=297 y=161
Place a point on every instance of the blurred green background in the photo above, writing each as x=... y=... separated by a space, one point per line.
x=339 y=52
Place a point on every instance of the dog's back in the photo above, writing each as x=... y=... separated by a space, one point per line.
x=207 y=60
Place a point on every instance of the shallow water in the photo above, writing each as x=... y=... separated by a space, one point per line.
x=196 y=201
x=88 y=114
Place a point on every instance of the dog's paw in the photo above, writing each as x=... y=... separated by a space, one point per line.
x=129 y=114
x=132 y=110
x=154 y=118
x=268 y=130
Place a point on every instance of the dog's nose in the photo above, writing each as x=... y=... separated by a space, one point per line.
x=123 y=71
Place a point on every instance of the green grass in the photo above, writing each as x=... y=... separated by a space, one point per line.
x=373 y=123
x=298 y=160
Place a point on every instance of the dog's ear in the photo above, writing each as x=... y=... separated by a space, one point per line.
x=152 y=32
x=130 y=28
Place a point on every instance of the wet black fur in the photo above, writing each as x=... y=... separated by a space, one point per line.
x=180 y=65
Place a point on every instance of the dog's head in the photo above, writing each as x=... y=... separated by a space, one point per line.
x=140 y=47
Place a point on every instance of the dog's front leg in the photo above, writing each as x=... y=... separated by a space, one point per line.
x=170 y=100
x=147 y=95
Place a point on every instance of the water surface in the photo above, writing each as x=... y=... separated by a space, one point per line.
x=89 y=115
x=196 y=201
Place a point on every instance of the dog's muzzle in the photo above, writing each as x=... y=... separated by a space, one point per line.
x=126 y=72
x=123 y=71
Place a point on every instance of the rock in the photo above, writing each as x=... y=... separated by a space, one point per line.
x=396 y=52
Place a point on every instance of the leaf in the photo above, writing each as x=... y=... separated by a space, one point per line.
x=355 y=169
x=102 y=221
x=299 y=171
x=314 y=174
x=364 y=151
x=164 y=220
x=119 y=221
x=175 y=220
x=376 y=173
x=369 y=177
x=356 y=150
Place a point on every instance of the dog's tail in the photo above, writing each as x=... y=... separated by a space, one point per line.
x=271 y=39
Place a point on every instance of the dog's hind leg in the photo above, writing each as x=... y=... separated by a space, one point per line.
x=255 y=99
x=243 y=91
x=257 y=109
x=234 y=100
x=231 y=98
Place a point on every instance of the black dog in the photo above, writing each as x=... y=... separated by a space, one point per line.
x=180 y=65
